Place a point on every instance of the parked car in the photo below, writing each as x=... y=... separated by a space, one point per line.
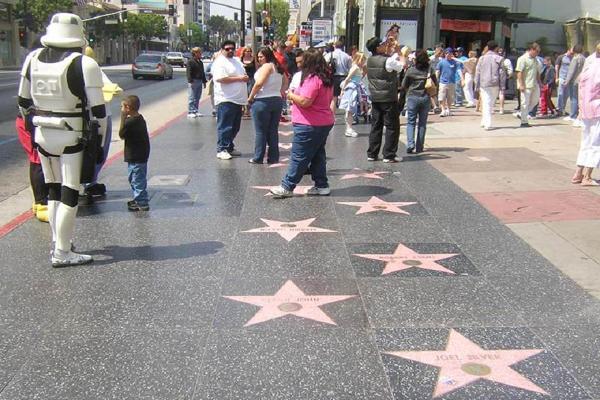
x=151 y=65
x=187 y=55
x=175 y=58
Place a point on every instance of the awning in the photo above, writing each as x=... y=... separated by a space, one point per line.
x=524 y=18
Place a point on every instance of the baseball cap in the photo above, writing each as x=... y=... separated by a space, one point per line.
x=460 y=49
x=373 y=44
x=449 y=50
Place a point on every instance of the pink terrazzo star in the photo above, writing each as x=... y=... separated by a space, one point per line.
x=281 y=163
x=299 y=190
x=289 y=299
x=289 y=230
x=285 y=146
x=364 y=174
x=285 y=133
x=464 y=362
x=404 y=258
x=376 y=204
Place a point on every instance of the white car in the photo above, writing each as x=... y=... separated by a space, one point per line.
x=176 y=58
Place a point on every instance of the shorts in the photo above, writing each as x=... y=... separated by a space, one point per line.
x=337 y=80
x=446 y=92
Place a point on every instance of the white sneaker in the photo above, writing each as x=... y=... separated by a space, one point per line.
x=517 y=114
x=192 y=115
x=315 y=191
x=392 y=160
x=70 y=258
x=501 y=111
x=578 y=123
x=351 y=133
x=224 y=155
x=568 y=119
x=280 y=192
x=198 y=114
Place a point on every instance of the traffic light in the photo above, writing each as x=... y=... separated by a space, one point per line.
x=235 y=16
x=91 y=38
x=22 y=38
x=171 y=10
x=249 y=22
x=124 y=16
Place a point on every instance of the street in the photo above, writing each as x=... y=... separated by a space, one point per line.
x=13 y=162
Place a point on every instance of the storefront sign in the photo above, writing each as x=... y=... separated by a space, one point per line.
x=305 y=35
x=322 y=30
x=465 y=25
x=506 y=31
x=408 y=30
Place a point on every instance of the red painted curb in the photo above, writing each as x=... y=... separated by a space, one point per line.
x=22 y=218
x=15 y=223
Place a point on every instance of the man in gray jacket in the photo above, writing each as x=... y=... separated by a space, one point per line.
x=490 y=77
x=572 y=80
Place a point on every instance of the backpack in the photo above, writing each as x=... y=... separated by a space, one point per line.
x=332 y=63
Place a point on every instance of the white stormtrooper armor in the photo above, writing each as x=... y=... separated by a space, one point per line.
x=54 y=80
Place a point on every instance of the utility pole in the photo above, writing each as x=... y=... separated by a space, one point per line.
x=253 y=26
x=243 y=23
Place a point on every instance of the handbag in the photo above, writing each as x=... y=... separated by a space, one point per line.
x=430 y=87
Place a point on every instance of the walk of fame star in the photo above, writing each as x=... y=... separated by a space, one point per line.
x=285 y=146
x=404 y=258
x=376 y=204
x=281 y=163
x=289 y=230
x=289 y=299
x=299 y=190
x=286 y=133
x=364 y=174
x=464 y=362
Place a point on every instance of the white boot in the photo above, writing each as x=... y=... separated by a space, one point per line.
x=65 y=259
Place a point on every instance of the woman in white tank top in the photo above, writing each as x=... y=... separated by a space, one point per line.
x=266 y=98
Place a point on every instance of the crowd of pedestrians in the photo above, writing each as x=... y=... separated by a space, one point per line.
x=393 y=80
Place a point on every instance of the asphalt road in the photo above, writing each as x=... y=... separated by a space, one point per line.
x=14 y=167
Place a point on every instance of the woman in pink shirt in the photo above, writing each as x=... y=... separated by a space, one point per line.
x=589 y=113
x=312 y=119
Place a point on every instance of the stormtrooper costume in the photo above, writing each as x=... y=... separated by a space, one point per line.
x=59 y=84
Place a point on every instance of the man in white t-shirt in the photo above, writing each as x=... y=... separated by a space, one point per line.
x=231 y=93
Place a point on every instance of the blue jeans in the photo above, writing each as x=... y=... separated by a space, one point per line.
x=416 y=106
x=564 y=92
x=574 y=94
x=229 y=119
x=194 y=95
x=458 y=93
x=265 y=114
x=308 y=148
x=137 y=180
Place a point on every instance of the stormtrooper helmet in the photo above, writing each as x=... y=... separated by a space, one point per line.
x=65 y=31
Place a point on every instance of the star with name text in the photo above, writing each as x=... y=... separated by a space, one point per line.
x=290 y=300
x=464 y=362
x=377 y=204
x=404 y=258
x=289 y=230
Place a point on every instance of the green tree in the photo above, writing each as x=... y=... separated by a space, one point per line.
x=280 y=16
x=146 y=26
x=217 y=24
x=197 y=38
x=38 y=12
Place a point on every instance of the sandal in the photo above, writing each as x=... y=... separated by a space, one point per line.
x=590 y=182
x=576 y=179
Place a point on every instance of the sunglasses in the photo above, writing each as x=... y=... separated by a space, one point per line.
x=229 y=48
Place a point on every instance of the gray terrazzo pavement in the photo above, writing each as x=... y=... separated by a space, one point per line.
x=182 y=302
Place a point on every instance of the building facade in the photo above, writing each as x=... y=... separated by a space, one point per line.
x=465 y=23
x=10 y=51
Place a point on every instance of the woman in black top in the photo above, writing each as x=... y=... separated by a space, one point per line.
x=417 y=100
x=250 y=66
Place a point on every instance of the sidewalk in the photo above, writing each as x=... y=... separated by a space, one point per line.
x=522 y=176
x=400 y=285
